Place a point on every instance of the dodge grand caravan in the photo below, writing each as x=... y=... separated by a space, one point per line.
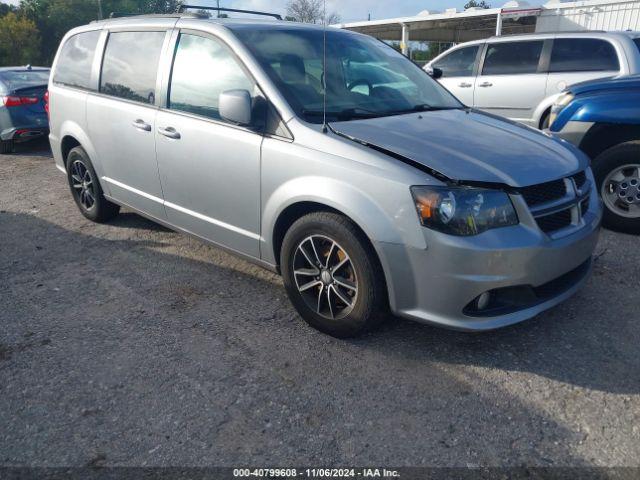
x=366 y=184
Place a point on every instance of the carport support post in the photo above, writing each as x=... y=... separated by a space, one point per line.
x=499 y=24
x=404 y=44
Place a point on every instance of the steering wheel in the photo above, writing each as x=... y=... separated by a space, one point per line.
x=360 y=81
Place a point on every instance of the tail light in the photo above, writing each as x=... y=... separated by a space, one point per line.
x=12 y=101
x=46 y=103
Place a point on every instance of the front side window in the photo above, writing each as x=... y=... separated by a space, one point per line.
x=364 y=77
x=459 y=63
x=583 y=55
x=130 y=65
x=75 y=61
x=637 y=42
x=512 y=58
x=203 y=68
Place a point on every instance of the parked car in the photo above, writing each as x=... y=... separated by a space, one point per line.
x=602 y=117
x=403 y=198
x=22 y=105
x=520 y=76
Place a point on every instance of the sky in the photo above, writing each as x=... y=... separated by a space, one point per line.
x=349 y=10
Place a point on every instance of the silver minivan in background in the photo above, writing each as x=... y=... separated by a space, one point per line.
x=366 y=184
x=521 y=76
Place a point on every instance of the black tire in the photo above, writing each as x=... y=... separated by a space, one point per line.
x=101 y=209
x=368 y=304
x=611 y=159
x=544 y=124
x=6 y=146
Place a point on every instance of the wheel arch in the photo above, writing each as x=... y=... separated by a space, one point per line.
x=602 y=136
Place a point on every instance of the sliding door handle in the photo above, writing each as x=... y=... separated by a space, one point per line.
x=169 y=132
x=465 y=85
x=142 y=125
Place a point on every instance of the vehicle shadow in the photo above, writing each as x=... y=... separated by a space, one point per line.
x=590 y=341
x=126 y=219
x=35 y=148
x=141 y=347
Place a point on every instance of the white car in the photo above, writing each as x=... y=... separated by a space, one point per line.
x=520 y=76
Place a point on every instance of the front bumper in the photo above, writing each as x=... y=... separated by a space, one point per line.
x=437 y=284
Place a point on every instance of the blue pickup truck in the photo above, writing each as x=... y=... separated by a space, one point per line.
x=602 y=118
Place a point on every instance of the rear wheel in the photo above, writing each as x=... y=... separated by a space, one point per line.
x=332 y=275
x=86 y=189
x=6 y=146
x=617 y=172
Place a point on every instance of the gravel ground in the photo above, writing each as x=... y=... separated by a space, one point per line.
x=128 y=344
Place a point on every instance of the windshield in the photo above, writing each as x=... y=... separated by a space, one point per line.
x=15 y=79
x=365 y=77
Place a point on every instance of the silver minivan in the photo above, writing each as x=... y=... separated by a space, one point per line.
x=521 y=76
x=328 y=157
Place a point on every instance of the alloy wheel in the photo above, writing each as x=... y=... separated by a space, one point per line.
x=325 y=277
x=82 y=184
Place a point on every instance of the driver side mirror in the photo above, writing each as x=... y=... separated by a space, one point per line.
x=235 y=106
x=434 y=72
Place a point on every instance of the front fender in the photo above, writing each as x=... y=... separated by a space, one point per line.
x=615 y=107
x=542 y=108
x=373 y=220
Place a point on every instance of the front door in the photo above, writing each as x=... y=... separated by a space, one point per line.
x=209 y=169
x=510 y=83
x=122 y=119
x=459 y=69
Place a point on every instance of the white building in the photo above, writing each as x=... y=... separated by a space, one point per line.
x=513 y=17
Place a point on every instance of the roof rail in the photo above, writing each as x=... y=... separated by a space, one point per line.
x=153 y=15
x=234 y=10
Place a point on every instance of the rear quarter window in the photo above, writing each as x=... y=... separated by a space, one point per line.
x=583 y=55
x=75 y=60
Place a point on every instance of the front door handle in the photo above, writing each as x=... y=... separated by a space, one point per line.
x=142 y=125
x=169 y=132
x=465 y=85
x=486 y=84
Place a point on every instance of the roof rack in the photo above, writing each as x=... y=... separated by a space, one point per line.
x=234 y=10
x=153 y=15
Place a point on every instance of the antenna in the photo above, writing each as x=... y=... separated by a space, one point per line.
x=324 y=66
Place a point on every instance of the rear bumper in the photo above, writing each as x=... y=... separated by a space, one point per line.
x=24 y=134
x=524 y=271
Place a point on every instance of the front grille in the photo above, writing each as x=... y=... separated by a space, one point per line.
x=544 y=192
x=555 y=221
x=580 y=179
x=584 y=205
x=559 y=204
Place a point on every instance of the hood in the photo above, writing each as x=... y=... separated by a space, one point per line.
x=625 y=82
x=469 y=146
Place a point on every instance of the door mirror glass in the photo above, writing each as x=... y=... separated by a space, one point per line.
x=235 y=106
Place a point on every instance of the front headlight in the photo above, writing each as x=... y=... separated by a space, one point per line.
x=561 y=102
x=463 y=210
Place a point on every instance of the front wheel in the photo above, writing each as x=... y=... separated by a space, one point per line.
x=617 y=172
x=332 y=276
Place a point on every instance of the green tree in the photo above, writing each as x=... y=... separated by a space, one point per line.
x=476 y=4
x=19 y=40
x=6 y=8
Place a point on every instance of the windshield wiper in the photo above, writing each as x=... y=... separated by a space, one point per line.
x=345 y=114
